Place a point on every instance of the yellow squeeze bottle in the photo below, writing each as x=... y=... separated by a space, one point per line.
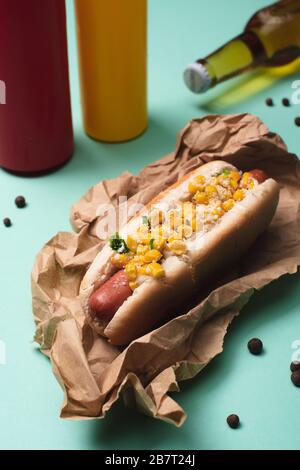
x=112 y=43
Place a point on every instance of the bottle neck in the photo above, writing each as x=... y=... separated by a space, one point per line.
x=238 y=55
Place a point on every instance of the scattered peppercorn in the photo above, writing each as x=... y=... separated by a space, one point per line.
x=295 y=377
x=255 y=346
x=7 y=222
x=269 y=102
x=20 y=202
x=233 y=421
x=295 y=365
x=285 y=101
x=297 y=121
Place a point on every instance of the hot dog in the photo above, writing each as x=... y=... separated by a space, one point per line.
x=176 y=245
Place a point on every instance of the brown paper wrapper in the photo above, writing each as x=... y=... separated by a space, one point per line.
x=93 y=373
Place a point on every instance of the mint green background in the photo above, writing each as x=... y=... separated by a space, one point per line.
x=257 y=388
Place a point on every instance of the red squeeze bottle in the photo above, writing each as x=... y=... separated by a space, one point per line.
x=36 y=133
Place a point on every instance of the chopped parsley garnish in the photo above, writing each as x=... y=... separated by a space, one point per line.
x=151 y=243
x=118 y=244
x=145 y=220
x=226 y=172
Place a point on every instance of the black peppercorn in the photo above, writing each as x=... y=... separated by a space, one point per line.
x=285 y=101
x=297 y=121
x=20 y=202
x=255 y=346
x=295 y=365
x=233 y=421
x=7 y=222
x=269 y=102
x=295 y=378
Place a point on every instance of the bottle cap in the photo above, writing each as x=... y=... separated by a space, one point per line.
x=196 y=77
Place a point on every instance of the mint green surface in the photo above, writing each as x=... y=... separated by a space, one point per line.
x=256 y=388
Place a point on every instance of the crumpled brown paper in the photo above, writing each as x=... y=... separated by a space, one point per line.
x=94 y=373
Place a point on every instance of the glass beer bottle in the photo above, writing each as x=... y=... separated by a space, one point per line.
x=270 y=38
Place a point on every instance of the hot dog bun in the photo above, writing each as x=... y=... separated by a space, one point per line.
x=207 y=253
